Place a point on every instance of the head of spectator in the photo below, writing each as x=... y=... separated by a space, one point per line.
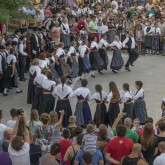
x=127 y=123
x=136 y=124
x=66 y=133
x=45 y=118
x=161 y=125
x=149 y=120
x=35 y=61
x=121 y=130
x=53 y=117
x=91 y=122
x=42 y=56
x=161 y=147
x=34 y=116
x=103 y=133
x=17 y=143
x=114 y=90
x=8 y=132
x=87 y=158
x=55 y=150
x=136 y=149
x=90 y=129
x=72 y=120
x=17 y=32
x=13 y=113
x=78 y=130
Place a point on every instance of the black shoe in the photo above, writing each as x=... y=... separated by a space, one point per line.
x=131 y=64
x=100 y=72
x=93 y=76
x=126 y=68
x=19 y=91
x=5 y=94
x=114 y=71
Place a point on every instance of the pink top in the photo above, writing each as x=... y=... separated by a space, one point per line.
x=56 y=33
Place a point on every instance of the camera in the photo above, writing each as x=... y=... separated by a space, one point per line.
x=20 y=111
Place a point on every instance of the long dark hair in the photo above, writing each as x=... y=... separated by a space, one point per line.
x=140 y=84
x=98 y=89
x=115 y=92
x=126 y=87
x=63 y=80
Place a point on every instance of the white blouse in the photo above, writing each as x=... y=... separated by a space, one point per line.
x=109 y=96
x=96 y=96
x=139 y=94
x=60 y=52
x=10 y=58
x=104 y=43
x=126 y=96
x=72 y=50
x=65 y=28
x=85 y=92
x=43 y=64
x=94 y=45
x=39 y=79
x=34 y=69
x=117 y=44
x=47 y=84
x=82 y=50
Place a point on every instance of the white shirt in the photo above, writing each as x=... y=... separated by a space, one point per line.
x=104 y=43
x=103 y=29
x=139 y=94
x=82 y=50
x=96 y=96
x=43 y=64
x=47 y=84
x=126 y=96
x=11 y=123
x=109 y=96
x=20 y=157
x=10 y=58
x=94 y=45
x=60 y=52
x=85 y=92
x=65 y=28
x=157 y=30
x=2 y=128
x=72 y=50
x=115 y=4
x=145 y=30
x=39 y=79
x=132 y=44
x=35 y=69
x=159 y=160
x=117 y=44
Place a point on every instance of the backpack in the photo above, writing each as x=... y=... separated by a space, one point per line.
x=75 y=153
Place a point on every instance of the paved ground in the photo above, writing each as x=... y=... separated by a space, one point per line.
x=150 y=69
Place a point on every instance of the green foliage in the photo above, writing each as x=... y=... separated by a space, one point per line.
x=11 y=9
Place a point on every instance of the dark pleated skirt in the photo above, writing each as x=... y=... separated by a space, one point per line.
x=30 y=92
x=96 y=61
x=82 y=113
x=128 y=109
x=74 y=66
x=148 y=41
x=110 y=36
x=117 y=60
x=113 y=113
x=103 y=55
x=100 y=114
x=47 y=104
x=139 y=110
x=155 y=42
x=37 y=98
x=66 y=40
x=64 y=105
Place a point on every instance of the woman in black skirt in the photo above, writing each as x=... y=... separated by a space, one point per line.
x=62 y=91
x=48 y=101
x=126 y=99
x=100 y=114
x=38 y=88
x=139 y=107
x=113 y=98
x=10 y=72
x=94 y=57
x=33 y=72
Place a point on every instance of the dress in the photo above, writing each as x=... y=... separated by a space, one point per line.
x=117 y=60
x=33 y=72
x=73 y=64
x=62 y=92
x=113 y=110
x=94 y=57
x=101 y=109
x=82 y=111
x=48 y=101
x=148 y=37
x=156 y=39
x=65 y=37
x=139 y=107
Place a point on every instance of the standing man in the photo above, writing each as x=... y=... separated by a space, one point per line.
x=93 y=28
x=130 y=44
x=35 y=42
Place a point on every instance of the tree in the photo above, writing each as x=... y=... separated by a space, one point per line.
x=12 y=9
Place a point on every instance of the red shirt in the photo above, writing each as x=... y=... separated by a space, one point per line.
x=65 y=144
x=119 y=147
x=80 y=25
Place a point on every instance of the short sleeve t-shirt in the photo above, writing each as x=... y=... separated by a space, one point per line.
x=11 y=123
x=20 y=157
x=97 y=156
x=119 y=147
x=2 y=128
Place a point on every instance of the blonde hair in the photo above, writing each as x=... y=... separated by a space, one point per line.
x=34 y=116
x=35 y=61
x=53 y=117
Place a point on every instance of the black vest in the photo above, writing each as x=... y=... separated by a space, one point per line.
x=129 y=43
x=130 y=161
x=3 y=63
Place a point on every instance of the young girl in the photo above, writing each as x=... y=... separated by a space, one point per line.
x=101 y=110
x=139 y=35
x=113 y=98
x=42 y=61
x=34 y=121
x=126 y=99
x=139 y=107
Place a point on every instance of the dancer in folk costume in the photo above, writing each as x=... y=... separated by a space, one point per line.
x=48 y=101
x=103 y=45
x=101 y=110
x=117 y=60
x=38 y=80
x=113 y=98
x=94 y=56
x=72 y=59
x=33 y=72
x=82 y=111
x=62 y=67
x=139 y=107
x=62 y=91
x=127 y=100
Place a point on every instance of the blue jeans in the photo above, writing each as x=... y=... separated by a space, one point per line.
x=62 y=163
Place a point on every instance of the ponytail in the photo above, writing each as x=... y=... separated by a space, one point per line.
x=99 y=90
x=63 y=80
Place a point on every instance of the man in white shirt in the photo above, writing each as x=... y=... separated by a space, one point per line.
x=160 y=159
x=115 y=4
x=130 y=44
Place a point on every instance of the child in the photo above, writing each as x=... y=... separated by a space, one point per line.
x=83 y=33
x=90 y=139
x=11 y=123
x=72 y=125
